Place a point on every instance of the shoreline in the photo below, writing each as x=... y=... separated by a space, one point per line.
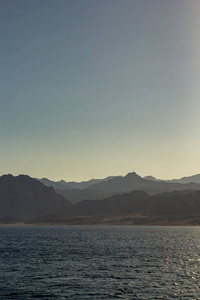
x=21 y=224
x=113 y=220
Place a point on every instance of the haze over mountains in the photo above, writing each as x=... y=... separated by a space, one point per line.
x=132 y=181
x=189 y=179
x=101 y=188
x=24 y=199
x=61 y=185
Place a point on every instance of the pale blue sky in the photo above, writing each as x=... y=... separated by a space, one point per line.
x=91 y=88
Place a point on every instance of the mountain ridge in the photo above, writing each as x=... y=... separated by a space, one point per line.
x=101 y=188
x=62 y=184
x=184 y=180
x=23 y=197
x=132 y=181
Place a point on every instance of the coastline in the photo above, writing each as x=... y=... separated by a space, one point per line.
x=130 y=220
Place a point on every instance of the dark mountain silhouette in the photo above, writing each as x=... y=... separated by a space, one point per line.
x=136 y=207
x=28 y=200
x=23 y=198
x=139 y=202
x=77 y=195
x=176 y=203
x=117 y=204
x=132 y=181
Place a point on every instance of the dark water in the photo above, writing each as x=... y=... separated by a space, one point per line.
x=108 y=262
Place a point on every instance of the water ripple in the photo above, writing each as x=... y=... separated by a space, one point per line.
x=88 y=262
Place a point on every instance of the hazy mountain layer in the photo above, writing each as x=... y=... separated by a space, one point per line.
x=62 y=185
x=132 y=181
x=23 y=199
x=184 y=180
x=77 y=195
x=120 y=184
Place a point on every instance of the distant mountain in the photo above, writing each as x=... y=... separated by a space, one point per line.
x=151 y=178
x=62 y=185
x=85 y=184
x=23 y=198
x=77 y=195
x=100 y=188
x=28 y=200
x=120 y=184
x=184 y=180
x=132 y=181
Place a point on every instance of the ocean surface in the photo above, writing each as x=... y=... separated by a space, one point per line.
x=105 y=262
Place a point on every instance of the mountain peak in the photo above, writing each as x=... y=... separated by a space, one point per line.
x=149 y=177
x=132 y=174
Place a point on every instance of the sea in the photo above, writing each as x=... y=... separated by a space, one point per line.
x=99 y=262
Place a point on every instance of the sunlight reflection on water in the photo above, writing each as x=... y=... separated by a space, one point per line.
x=106 y=262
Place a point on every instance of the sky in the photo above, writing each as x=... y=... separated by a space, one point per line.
x=95 y=88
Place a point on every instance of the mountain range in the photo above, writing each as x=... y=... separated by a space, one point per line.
x=175 y=203
x=24 y=199
x=103 y=188
x=184 y=180
x=132 y=181
x=61 y=185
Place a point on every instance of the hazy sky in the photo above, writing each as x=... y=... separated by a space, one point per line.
x=91 y=88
